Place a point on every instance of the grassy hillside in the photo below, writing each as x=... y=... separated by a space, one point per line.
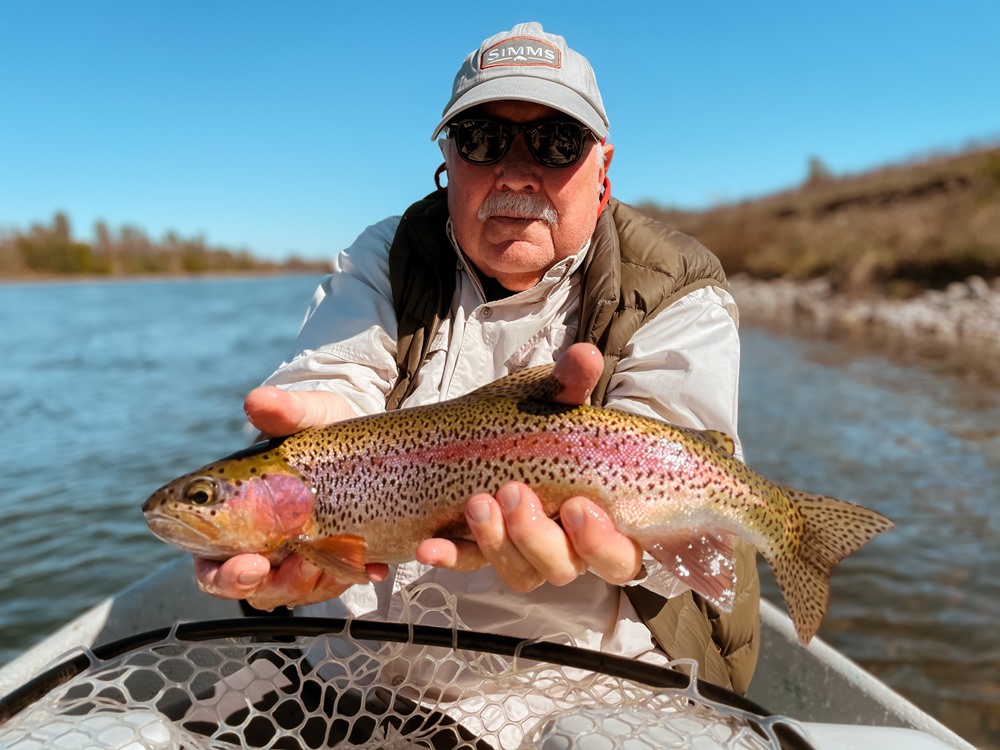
x=895 y=230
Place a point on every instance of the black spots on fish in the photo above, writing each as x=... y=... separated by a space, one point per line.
x=393 y=482
x=648 y=484
x=557 y=472
x=702 y=482
x=743 y=502
x=769 y=525
x=533 y=383
x=544 y=409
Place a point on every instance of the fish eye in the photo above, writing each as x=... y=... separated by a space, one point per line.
x=201 y=492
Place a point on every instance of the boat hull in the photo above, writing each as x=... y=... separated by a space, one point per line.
x=841 y=704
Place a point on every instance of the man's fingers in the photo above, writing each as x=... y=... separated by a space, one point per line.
x=606 y=552
x=236 y=578
x=539 y=542
x=486 y=520
x=276 y=412
x=578 y=370
x=452 y=554
x=294 y=582
x=273 y=411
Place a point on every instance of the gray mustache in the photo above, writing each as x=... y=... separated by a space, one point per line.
x=518 y=205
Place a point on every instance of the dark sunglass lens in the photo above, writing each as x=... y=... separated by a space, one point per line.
x=480 y=141
x=557 y=144
x=554 y=144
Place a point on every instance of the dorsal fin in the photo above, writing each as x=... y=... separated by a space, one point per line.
x=720 y=440
x=534 y=383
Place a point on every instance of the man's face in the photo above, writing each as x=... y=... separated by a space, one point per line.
x=518 y=251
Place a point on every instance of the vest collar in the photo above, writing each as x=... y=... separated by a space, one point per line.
x=602 y=276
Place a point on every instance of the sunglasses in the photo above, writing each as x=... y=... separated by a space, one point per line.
x=553 y=143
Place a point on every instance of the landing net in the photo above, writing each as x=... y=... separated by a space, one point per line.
x=279 y=682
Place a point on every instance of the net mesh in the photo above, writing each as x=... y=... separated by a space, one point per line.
x=350 y=689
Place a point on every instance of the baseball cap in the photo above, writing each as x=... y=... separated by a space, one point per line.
x=531 y=65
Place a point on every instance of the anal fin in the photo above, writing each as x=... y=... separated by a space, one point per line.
x=705 y=561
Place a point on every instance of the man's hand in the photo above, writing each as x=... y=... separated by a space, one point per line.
x=295 y=582
x=527 y=548
x=515 y=536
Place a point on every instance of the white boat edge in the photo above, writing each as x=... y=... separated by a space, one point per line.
x=840 y=704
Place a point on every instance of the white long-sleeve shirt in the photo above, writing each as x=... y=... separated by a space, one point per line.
x=681 y=367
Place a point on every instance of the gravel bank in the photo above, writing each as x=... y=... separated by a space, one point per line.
x=965 y=313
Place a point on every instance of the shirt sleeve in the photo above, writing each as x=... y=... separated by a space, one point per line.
x=347 y=342
x=683 y=367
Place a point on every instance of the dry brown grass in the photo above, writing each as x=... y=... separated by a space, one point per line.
x=899 y=229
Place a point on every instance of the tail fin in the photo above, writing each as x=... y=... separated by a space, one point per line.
x=833 y=529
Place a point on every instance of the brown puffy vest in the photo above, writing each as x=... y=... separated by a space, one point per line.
x=635 y=268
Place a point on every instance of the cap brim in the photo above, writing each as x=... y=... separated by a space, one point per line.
x=528 y=89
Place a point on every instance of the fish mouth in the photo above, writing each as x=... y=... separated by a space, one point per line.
x=191 y=533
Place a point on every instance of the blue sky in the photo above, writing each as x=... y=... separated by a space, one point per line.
x=290 y=126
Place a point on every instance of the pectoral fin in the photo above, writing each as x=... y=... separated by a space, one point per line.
x=704 y=561
x=343 y=556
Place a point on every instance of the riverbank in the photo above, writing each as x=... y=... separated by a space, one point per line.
x=317 y=271
x=965 y=313
x=898 y=230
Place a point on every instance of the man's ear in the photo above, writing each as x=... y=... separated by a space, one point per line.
x=445 y=145
x=446 y=152
x=609 y=152
x=602 y=177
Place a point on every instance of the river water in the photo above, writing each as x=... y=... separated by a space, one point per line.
x=109 y=389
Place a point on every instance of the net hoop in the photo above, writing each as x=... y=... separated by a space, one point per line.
x=780 y=731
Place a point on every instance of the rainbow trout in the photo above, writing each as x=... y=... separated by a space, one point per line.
x=372 y=488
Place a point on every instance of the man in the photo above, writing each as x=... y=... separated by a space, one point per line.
x=523 y=254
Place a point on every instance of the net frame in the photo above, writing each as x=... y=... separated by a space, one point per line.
x=779 y=731
x=776 y=730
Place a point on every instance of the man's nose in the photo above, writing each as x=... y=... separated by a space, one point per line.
x=518 y=169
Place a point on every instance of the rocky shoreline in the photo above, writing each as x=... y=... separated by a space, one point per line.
x=965 y=314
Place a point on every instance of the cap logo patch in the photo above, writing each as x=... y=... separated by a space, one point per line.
x=521 y=50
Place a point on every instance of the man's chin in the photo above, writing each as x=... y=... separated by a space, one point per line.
x=517 y=282
x=516 y=265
